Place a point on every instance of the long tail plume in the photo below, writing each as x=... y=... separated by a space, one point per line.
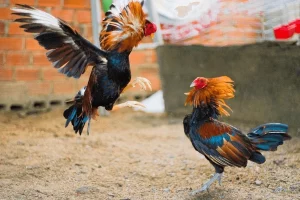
x=268 y=137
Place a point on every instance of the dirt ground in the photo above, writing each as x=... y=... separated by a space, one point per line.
x=128 y=155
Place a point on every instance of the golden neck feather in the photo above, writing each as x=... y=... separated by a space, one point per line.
x=123 y=31
x=217 y=90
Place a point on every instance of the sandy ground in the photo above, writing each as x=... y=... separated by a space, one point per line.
x=129 y=155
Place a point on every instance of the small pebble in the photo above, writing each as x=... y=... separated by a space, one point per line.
x=20 y=143
x=86 y=189
x=171 y=174
x=279 y=189
x=295 y=187
x=258 y=182
x=31 y=167
x=119 y=184
x=111 y=194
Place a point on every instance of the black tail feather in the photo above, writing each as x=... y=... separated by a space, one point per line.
x=78 y=119
x=257 y=157
x=268 y=137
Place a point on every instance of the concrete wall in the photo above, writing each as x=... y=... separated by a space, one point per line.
x=266 y=75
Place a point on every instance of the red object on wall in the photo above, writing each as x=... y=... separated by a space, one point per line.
x=284 y=31
x=296 y=23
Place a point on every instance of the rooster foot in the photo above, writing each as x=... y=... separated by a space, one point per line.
x=143 y=83
x=205 y=187
x=130 y=104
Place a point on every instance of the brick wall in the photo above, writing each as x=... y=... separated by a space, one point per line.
x=27 y=79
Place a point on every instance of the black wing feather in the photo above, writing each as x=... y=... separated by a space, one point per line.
x=68 y=50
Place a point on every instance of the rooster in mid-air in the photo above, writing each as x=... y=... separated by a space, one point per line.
x=220 y=143
x=122 y=29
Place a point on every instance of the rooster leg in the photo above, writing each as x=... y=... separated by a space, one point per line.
x=143 y=83
x=130 y=104
x=205 y=187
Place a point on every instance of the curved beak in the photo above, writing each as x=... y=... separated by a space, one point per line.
x=193 y=84
x=152 y=35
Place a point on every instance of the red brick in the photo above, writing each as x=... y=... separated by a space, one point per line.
x=153 y=76
x=1 y=59
x=89 y=38
x=137 y=57
x=53 y=3
x=242 y=19
x=52 y=74
x=253 y=26
x=64 y=14
x=64 y=87
x=215 y=33
x=3 y=2
x=17 y=59
x=210 y=42
x=2 y=28
x=5 y=13
x=251 y=35
x=153 y=57
x=80 y=28
x=83 y=81
x=32 y=44
x=27 y=74
x=238 y=42
x=40 y=60
x=77 y=3
x=6 y=74
x=14 y=29
x=89 y=31
x=224 y=43
x=39 y=88
x=11 y=43
x=150 y=56
x=235 y=34
x=28 y=2
x=83 y=16
x=87 y=73
x=147 y=40
x=194 y=40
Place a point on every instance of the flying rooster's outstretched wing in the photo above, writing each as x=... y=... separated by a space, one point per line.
x=68 y=50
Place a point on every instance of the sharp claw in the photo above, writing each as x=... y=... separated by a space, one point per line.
x=149 y=85
x=143 y=83
x=142 y=105
x=143 y=86
x=135 y=104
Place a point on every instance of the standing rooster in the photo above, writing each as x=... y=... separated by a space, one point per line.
x=123 y=28
x=222 y=144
